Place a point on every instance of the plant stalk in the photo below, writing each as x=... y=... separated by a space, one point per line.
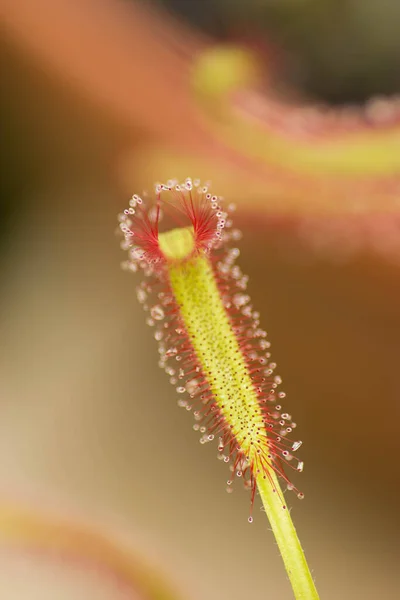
x=286 y=537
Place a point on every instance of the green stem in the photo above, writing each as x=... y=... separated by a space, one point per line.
x=287 y=540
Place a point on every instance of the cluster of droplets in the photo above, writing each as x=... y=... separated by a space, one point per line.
x=255 y=348
x=139 y=225
x=176 y=354
x=318 y=120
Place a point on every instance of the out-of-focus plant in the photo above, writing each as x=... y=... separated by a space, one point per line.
x=30 y=530
x=209 y=110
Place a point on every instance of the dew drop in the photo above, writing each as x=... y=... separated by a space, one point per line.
x=136 y=253
x=180 y=389
x=192 y=386
x=171 y=352
x=300 y=466
x=157 y=312
x=300 y=495
x=250 y=519
x=240 y=299
x=296 y=445
x=141 y=295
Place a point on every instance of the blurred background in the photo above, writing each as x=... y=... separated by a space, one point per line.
x=96 y=105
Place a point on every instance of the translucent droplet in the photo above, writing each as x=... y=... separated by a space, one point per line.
x=300 y=466
x=141 y=295
x=300 y=495
x=192 y=386
x=136 y=253
x=171 y=352
x=181 y=389
x=250 y=519
x=240 y=299
x=296 y=445
x=157 y=312
x=236 y=234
